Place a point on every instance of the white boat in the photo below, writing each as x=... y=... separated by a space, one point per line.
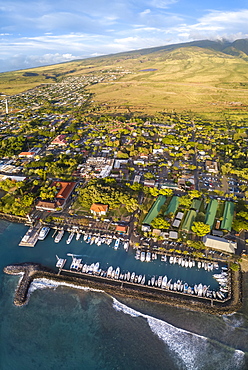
x=199 y=265
x=190 y=263
x=59 y=236
x=70 y=237
x=148 y=256
x=143 y=280
x=163 y=258
x=126 y=246
x=78 y=236
x=132 y=277
x=117 y=272
x=137 y=256
x=200 y=290
x=152 y=280
x=171 y=260
x=164 y=282
x=186 y=264
x=92 y=240
x=84 y=267
x=85 y=237
x=160 y=279
x=60 y=262
x=96 y=268
x=139 y=279
x=117 y=242
x=142 y=256
x=109 y=271
x=128 y=276
x=183 y=262
x=43 y=232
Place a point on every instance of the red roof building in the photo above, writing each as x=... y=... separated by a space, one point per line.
x=99 y=209
x=59 y=140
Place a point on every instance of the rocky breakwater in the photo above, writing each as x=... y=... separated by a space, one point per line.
x=28 y=271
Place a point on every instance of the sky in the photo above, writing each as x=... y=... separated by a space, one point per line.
x=43 y=32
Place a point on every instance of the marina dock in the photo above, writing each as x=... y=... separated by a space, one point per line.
x=31 y=236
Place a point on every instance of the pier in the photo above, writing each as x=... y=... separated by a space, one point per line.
x=31 y=236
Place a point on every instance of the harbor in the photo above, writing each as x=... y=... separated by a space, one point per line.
x=111 y=257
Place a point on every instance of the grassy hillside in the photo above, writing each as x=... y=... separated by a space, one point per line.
x=182 y=78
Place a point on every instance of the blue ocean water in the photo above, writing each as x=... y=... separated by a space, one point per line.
x=65 y=328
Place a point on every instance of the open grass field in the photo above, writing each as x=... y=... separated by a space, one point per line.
x=183 y=79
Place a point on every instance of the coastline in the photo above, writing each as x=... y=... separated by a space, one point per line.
x=33 y=271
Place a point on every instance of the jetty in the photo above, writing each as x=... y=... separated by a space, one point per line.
x=31 y=236
x=33 y=271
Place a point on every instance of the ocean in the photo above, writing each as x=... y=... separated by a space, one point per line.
x=67 y=328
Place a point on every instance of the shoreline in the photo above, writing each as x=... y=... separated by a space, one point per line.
x=31 y=271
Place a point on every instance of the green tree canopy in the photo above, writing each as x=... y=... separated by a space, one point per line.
x=200 y=228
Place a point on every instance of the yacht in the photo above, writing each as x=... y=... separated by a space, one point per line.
x=126 y=245
x=117 y=272
x=60 y=262
x=164 y=282
x=117 y=242
x=143 y=280
x=160 y=279
x=78 y=236
x=137 y=256
x=71 y=235
x=128 y=276
x=148 y=256
x=142 y=256
x=132 y=277
x=59 y=235
x=109 y=271
x=43 y=232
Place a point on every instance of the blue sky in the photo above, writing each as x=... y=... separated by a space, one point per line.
x=41 y=32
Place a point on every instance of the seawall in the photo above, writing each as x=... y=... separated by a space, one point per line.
x=31 y=271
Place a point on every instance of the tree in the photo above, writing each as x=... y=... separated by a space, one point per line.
x=167 y=192
x=160 y=223
x=200 y=228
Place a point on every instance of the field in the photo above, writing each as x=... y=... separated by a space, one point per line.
x=193 y=78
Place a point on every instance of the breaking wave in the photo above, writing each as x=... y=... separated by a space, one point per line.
x=193 y=351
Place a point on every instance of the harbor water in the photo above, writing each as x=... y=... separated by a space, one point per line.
x=65 y=328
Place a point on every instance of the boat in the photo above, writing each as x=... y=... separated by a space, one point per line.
x=185 y=287
x=85 y=237
x=152 y=280
x=128 y=276
x=59 y=236
x=143 y=280
x=196 y=289
x=78 y=236
x=132 y=277
x=171 y=259
x=84 y=267
x=148 y=256
x=160 y=279
x=76 y=263
x=142 y=256
x=96 y=268
x=199 y=265
x=88 y=239
x=183 y=262
x=200 y=290
x=117 y=272
x=186 y=264
x=137 y=256
x=139 y=279
x=190 y=263
x=109 y=271
x=60 y=262
x=117 y=242
x=43 y=232
x=164 y=282
x=163 y=258
x=92 y=240
x=71 y=235
x=126 y=246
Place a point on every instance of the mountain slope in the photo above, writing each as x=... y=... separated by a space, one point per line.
x=200 y=75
